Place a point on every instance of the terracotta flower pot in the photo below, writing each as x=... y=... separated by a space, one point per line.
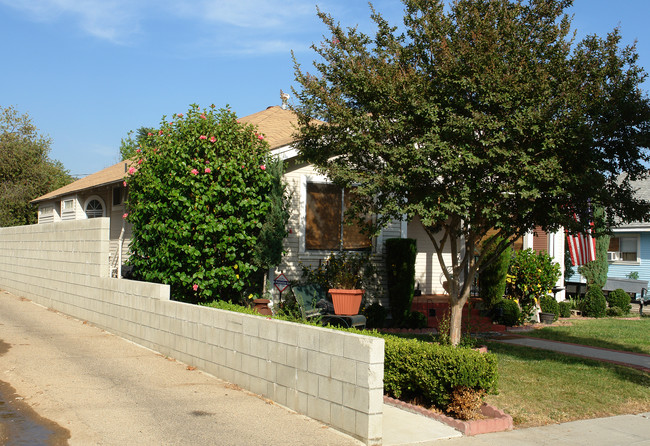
x=346 y=302
x=262 y=307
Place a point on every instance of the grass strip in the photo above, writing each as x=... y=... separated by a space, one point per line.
x=631 y=335
x=538 y=387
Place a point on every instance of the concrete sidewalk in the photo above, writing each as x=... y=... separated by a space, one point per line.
x=636 y=360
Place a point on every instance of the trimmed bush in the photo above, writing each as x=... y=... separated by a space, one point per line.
x=549 y=305
x=507 y=312
x=595 y=304
x=400 y=272
x=492 y=279
x=431 y=372
x=615 y=312
x=565 y=308
x=619 y=299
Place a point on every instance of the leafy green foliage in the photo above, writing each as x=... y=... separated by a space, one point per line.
x=595 y=272
x=595 y=304
x=619 y=299
x=400 y=271
x=478 y=116
x=430 y=372
x=565 y=308
x=531 y=276
x=492 y=279
x=26 y=171
x=375 y=315
x=507 y=312
x=203 y=195
x=342 y=269
x=548 y=304
x=129 y=146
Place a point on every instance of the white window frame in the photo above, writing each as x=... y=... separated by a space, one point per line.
x=101 y=201
x=615 y=257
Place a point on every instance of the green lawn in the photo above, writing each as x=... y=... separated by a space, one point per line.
x=538 y=387
x=618 y=334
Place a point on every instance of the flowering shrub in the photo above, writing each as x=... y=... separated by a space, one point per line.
x=530 y=276
x=201 y=209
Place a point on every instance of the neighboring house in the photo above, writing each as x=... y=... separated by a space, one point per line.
x=629 y=247
x=316 y=209
x=101 y=194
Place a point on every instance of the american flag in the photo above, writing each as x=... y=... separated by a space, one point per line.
x=582 y=247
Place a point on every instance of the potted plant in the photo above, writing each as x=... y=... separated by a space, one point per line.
x=345 y=274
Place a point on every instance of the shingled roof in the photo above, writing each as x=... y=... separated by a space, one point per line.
x=114 y=174
x=276 y=124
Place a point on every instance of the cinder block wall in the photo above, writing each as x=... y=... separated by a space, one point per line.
x=331 y=376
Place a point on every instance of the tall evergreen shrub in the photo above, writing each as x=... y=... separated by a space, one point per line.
x=400 y=267
x=492 y=279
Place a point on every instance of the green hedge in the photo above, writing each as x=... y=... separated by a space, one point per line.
x=548 y=304
x=565 y=308
x=430 y=372
x=619 y=299
x=595 y=303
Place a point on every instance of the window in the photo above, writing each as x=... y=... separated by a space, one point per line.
x=94 y=209
x=117 y=195
x=67 y=205
x=623 y=249
x=326 y=227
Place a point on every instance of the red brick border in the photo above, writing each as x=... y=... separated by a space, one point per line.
x=496 y=420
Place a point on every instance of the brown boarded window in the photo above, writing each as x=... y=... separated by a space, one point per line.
x=540 y=240
x=325 y=228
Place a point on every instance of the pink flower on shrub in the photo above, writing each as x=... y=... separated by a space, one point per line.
x=138 y=150
x=125 y=215
x=260 y=137
x=180 y=115
x=203 y=137
x=131 y=170
x=208 y=170
x=194 y=172
x=195 y=287
x=160 y=132
x=124 y=184
x=263 y=167
x=213 y=139
x=203 y=117
x=149 y=134
x=140 y=161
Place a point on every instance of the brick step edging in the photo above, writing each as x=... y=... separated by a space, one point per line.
x=496 y=420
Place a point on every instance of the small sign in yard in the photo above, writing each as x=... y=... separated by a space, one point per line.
x=281 y=282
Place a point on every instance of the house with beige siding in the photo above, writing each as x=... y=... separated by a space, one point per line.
x=315 y=227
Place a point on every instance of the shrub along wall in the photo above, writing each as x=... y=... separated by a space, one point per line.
x=332 y=376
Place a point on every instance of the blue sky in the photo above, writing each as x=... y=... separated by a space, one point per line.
x=88 y=71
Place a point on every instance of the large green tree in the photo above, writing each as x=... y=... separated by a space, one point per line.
x=475 y=116
x=208 y=209
x=26 y=170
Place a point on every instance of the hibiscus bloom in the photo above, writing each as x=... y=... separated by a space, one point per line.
x=194 y=172
x=203 y=137
x=195 y=287
x=208 y=170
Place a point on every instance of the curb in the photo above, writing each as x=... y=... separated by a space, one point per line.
x=496 y=421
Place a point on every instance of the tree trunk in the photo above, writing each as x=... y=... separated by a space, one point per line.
x=455 y=322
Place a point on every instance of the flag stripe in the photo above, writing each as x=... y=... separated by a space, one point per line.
x=582 y=247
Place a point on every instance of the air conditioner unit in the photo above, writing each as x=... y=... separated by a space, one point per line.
x=612 y=256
